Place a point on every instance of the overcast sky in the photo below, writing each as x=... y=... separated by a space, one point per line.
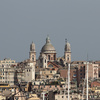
x=24 y=21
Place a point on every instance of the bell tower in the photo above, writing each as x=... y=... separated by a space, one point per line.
x=32 y=53
x=67 y=53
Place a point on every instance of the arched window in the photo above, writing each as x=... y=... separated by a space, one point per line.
x=54 y=57
x=47 y=76
x=33 y=57
x=68 y=57
x=99 y=73
x=48 y=57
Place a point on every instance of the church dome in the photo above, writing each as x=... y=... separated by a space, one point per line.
x=48 y=47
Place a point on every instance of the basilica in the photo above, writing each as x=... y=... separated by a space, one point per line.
x=48 y=55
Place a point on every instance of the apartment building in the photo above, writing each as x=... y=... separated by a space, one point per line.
x=8 y=62
x=7 y=74
x=82 y=71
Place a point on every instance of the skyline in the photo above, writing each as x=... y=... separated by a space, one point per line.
x=22 y=22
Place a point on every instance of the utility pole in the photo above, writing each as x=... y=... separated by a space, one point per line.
x=43 y=95
x=68 y=81
x=87 y=80
x=87 y=76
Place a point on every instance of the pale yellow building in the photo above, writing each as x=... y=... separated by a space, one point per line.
x=33 y=97
x=8 y=62
x=73 y=96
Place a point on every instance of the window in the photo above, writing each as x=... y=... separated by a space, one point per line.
x=62 y=96
x=77 y=62
x=48 y=57
x=50 y=71
x=40 y=60
x=68 y=57
x=33 y=57
x=74 y=75
x=54 y=57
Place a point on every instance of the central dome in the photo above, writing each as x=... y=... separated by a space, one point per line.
x=48 y=47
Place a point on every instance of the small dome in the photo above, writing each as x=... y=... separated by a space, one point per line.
x=67 y=47
x=48 y=47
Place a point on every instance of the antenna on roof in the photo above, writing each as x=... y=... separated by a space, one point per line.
x=87 y=57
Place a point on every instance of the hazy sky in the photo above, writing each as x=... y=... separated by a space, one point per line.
x=24 y=21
